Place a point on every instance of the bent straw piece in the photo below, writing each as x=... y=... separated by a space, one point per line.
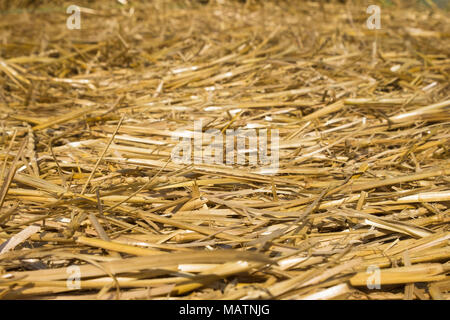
x=354 y=121
x=411 y=230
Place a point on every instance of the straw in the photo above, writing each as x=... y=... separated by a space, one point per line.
x=106 y=190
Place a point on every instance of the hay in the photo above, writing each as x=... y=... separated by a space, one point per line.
x=359 y=206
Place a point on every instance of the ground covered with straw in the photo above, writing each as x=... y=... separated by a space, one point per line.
x=92 y=205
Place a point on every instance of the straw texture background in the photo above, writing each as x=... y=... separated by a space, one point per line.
x=93 y=207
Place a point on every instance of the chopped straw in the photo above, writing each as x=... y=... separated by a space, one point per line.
x=358 y=206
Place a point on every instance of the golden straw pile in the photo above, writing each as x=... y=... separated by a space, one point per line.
x=92 y=205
